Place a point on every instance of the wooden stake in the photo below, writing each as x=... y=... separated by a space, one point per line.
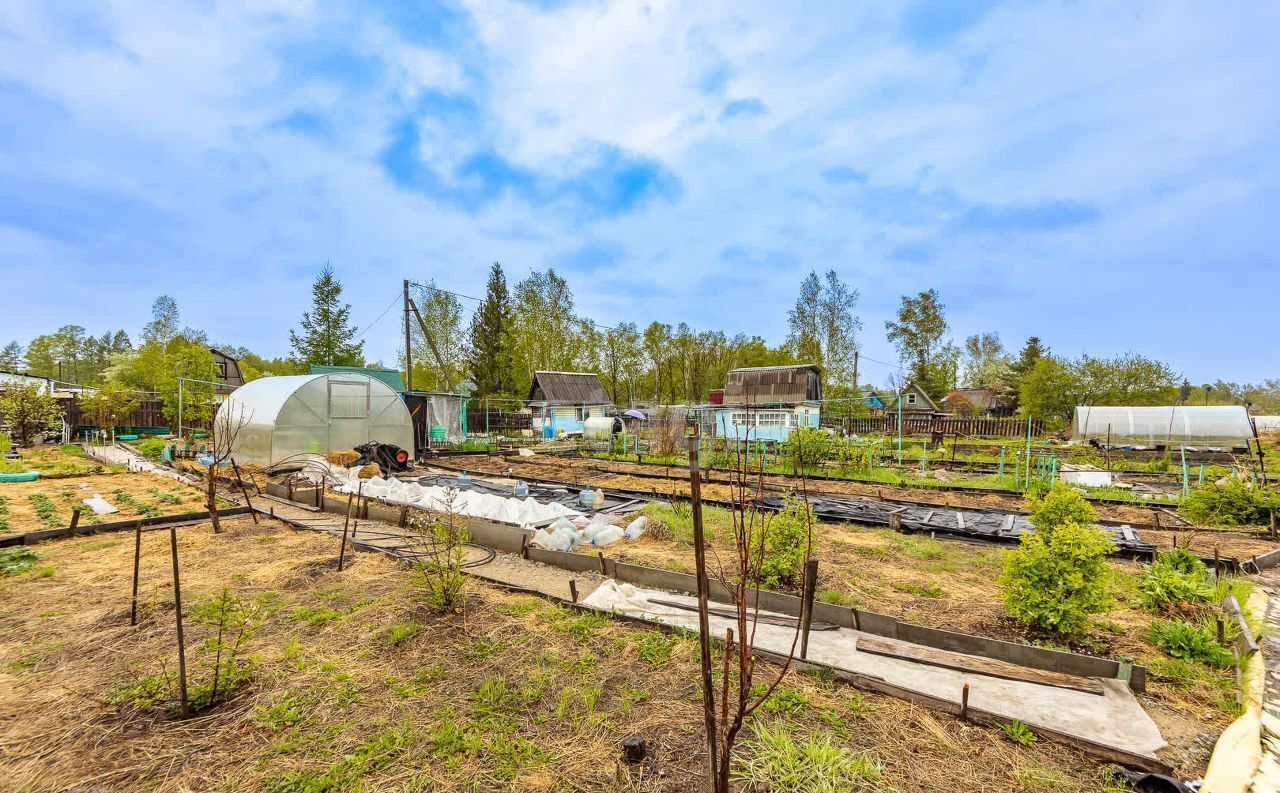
x=573 y=589
x=177 y=613
x=342 y=549
x=964 y=701
x=806 y=605
x=75 y=520
x=600 y=554
x=137 y=561
x=704 y=621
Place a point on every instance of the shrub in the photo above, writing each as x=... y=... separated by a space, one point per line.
x=809 y=447
x=151 y=447
x=1056 y=579
x=1062 y=504
x=439 y=544
x=786 y=537
x=1232 y=504
x=1182 y=640
x=1175 y=581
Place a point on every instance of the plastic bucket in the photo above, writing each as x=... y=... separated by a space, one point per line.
x=437 y=435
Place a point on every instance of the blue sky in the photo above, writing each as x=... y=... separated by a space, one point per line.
x=1104 y=175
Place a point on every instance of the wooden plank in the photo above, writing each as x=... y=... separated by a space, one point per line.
x=976 y=664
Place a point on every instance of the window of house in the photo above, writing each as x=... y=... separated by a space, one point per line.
x=738 y=419
x=222 y=369
x=583 y=414
x=911 y=399
x=771 y=418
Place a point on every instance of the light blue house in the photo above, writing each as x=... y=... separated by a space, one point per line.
x=561 y=402
x=768 y=402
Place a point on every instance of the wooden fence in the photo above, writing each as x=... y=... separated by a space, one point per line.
x=148 y=414
x=990 y=428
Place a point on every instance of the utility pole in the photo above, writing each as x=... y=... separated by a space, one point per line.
x=408 y=349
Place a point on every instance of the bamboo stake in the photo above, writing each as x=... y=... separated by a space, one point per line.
x=342 y=549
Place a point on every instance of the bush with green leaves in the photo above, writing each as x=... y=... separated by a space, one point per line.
x=439 y=545
x=1060 y=505
x=1234 y=503
x=786 y=541
x=1176 y=582
x=151 y=447
x=809 y=447
x=1056 y=579
x=1188 y=642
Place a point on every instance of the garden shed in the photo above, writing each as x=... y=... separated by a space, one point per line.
x=1172 y=426
x=290 y=417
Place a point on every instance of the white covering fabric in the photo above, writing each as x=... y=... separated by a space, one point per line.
x=99 y=505
x=517 y=511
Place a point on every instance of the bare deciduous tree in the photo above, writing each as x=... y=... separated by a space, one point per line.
x=728 y=709
x=229 y=420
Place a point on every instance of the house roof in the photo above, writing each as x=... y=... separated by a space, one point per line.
x=773 y=384
x=390 y=377
x=891 y=400
x=567 y=388
x=982 y=398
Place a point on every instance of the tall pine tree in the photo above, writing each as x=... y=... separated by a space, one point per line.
x=326 y=336
x=487 y=353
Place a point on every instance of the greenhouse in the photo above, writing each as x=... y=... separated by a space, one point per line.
x=1171 y=426
x=288 y=418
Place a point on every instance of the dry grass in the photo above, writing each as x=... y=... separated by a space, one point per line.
x=147 y=494
x=355 y=686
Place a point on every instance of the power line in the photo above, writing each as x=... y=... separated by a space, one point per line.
x=368 y=327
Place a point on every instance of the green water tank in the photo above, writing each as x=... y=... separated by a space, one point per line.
x=437 y=435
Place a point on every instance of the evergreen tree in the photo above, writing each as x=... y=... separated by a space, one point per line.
x=486 y=355
x=11 y=357
x=1032 y=351
x=326 y=337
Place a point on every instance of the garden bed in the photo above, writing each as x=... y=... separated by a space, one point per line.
x=48 y=503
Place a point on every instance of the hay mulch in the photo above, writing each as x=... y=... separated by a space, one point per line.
x=152 y=495
x=355 y=683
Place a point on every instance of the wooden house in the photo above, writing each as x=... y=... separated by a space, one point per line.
x=768 y=402
x=563 y=401
x=916 y=403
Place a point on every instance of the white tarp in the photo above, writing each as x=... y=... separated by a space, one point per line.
x=470 y=503
x=1114 y=718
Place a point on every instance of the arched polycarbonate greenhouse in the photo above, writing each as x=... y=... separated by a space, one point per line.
x=1172 y=426
x=287 y=418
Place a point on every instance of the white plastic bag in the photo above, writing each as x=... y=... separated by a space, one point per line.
x=636 y=527
x=99 y=505
x=552 y=540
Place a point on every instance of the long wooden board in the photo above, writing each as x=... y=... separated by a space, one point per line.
x=972 y=663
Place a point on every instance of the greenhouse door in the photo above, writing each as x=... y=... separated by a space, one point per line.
x=348 y=413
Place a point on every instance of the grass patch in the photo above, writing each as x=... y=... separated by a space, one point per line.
x=375 y=752
x=126 y=498
x=398 y=633
x=315 y=615
x=45 y=510
x=776 y=759
x=929 y=590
